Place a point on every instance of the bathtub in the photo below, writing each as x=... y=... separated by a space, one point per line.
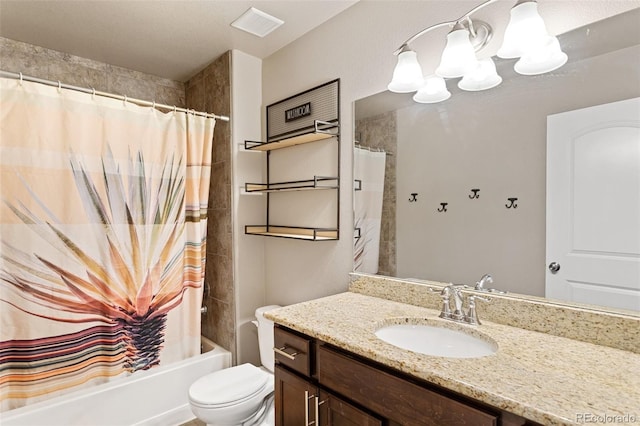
x=158 y=397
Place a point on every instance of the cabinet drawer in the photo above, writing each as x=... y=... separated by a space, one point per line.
x=292 y=350
x=397 y=399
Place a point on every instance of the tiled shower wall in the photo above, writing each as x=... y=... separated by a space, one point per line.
x=379 y=132
x=207 y=91
x=49 y=64
x=210 y=90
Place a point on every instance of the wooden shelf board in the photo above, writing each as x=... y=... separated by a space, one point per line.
x=294 y=233
x=319 y=183
x=284 y=143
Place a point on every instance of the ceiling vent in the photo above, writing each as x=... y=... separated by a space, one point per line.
x=257 y=22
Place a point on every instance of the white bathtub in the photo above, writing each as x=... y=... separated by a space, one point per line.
x=152 y=398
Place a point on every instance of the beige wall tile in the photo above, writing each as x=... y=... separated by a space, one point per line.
x=49 y=64
x=209 y=91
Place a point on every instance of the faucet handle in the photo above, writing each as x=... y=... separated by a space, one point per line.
x=472 y=316
x=445 y=294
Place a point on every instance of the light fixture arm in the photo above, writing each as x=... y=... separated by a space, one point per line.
x=421 y=33
x=465 y=17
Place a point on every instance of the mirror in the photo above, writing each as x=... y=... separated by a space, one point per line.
x=465 y=179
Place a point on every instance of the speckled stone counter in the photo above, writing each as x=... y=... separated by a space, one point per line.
x=549 y=379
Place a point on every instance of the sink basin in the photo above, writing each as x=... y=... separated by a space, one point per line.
x=436 y=341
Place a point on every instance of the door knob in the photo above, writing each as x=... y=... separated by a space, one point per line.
x=554 y=267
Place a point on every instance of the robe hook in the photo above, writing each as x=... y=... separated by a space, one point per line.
x=512 y=203
x=475 y=194
x=414 y=197
x=443 y=207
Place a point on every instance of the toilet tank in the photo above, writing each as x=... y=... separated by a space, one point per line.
x=265 y=337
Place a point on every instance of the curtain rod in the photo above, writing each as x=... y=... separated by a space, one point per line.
x=20 y=76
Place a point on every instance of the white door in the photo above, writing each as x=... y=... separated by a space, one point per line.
x=593 y=205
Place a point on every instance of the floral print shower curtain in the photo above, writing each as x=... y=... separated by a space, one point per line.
x=103 y=231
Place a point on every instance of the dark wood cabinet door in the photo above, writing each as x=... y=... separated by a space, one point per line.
x=291 y=407
x=392 y=397
x=336 y=412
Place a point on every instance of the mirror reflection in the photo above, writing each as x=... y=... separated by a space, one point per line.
x=474 y=185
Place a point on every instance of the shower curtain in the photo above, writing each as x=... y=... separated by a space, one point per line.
x=368 y=169
x=103 y=229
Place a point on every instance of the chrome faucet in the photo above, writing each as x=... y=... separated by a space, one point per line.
x=457 y=303
x=457 y=314
x=486 y=279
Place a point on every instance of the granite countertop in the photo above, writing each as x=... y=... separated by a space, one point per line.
x=548 y=379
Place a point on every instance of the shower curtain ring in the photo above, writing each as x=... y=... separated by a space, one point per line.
x=59 y=86
x=20 y=79
x=93 y=93
x=125 y=100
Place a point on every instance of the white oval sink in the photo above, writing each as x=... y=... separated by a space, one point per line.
x=436 y=341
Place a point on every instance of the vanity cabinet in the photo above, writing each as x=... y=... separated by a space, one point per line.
x=316 y=383
x=300 y=401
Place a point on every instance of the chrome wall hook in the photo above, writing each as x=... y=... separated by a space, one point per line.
x=475 y=194
x=414 y=197
x=443 y=207
x=512 y=203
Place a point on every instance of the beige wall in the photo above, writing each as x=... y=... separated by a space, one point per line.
x=248 y=251
x=356 y=46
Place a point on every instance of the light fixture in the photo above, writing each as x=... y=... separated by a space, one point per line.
x=525 y=28
x=407 y=76
x=482 y=77
x=458 y=56
x=542 y=57
x=526 y=38
x=432 y=91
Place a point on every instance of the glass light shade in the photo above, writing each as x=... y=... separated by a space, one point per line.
x=407 y=76
x=458 y=56
x=524 y=30
x=434 y=90
x=483 y=77
x=546 y=56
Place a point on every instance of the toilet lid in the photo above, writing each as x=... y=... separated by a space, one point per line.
x=228 y=386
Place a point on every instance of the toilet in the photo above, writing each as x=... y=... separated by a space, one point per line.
x=240 y=395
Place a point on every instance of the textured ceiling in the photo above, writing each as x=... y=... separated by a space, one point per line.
x=172 y=39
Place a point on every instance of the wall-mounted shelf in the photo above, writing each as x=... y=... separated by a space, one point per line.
x=317 y=183
x=310 y=116
x=320 y=130
x=298 y=233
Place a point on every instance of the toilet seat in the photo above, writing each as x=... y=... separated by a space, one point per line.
x=228 y=387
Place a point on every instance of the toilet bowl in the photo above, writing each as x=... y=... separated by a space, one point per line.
x=240 y=395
